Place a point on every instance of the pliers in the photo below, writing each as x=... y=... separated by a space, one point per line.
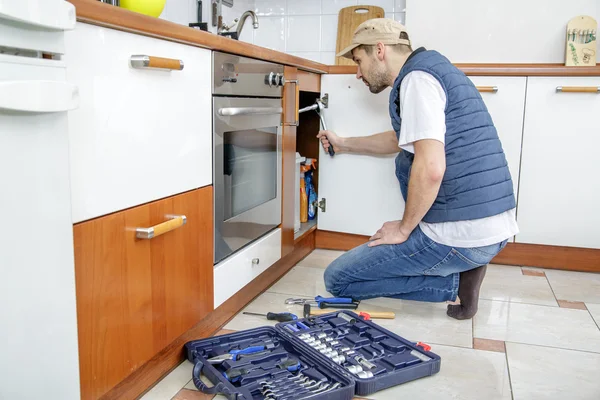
x=235 y=355
x=327 y=302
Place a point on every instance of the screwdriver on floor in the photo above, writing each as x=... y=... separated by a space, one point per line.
x=279 y=317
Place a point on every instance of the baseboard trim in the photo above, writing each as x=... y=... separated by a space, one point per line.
x=164 y=362
x=521 y=254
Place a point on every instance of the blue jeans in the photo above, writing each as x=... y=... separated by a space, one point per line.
x=418 y=269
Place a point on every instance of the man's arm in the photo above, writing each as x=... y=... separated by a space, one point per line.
x=380 y=143
x=426 y=177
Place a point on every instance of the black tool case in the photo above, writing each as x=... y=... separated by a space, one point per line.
x=384 y=358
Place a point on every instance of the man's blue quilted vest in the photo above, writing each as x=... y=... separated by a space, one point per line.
x=477 y=182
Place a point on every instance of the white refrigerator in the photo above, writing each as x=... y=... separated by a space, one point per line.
x=38 y=318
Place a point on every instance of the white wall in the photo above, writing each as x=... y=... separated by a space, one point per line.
x=498 y=31
x=306 y=28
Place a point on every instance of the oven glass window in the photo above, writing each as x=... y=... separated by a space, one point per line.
x=249 y=169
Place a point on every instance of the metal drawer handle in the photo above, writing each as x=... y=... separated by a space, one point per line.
x=233 y=111
x=578 y=89
x=255 y=261
x=141 y=61
x=175 y=222
x=487 y=89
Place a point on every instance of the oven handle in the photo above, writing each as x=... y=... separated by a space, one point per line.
x=233 y=111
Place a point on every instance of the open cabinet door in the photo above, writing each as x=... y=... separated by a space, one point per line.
x=360 y=192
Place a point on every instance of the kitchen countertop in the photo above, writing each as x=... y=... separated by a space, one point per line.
x=98 y=13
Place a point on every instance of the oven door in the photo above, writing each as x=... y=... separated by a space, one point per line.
x=247 y=171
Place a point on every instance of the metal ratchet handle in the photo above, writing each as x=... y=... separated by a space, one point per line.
x=234 y=111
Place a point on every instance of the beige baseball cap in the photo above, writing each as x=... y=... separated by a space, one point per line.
x=373 y=31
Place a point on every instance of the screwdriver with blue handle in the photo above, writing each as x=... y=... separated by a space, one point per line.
x=234 y=374
x=279 y=317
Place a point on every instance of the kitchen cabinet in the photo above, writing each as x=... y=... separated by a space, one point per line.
x=140 y=134
x=136 y=295
x=504 y=98
x=559 y=188
x=360 y=192
x=241 y=268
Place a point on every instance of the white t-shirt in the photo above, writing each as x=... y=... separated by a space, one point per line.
x=422 y=104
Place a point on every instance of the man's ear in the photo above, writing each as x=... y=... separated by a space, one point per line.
x=380 y=51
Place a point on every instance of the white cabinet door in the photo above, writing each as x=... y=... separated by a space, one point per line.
x=139 y=134
x=506 y=105
x=560 y=184
x=37 y=279
x=361 y=191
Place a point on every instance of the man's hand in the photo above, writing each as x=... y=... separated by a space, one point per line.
x=390 y=233
x=329 y=138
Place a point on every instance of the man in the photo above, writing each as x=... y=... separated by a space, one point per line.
x=453 y=174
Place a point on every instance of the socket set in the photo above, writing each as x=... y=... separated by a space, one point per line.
x=333 y=356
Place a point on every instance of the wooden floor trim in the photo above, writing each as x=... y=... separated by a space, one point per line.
x=521 y=254
x=163 y=363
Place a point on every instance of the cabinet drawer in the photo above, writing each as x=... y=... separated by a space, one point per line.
x=237 y=271
x=558 y=197
x=140 y=134
x=135 y=295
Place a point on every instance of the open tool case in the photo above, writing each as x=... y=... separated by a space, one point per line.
x=326 y=357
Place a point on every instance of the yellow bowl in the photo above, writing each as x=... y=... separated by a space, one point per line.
x=152 y=8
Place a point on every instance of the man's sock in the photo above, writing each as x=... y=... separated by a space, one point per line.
x=468 y=292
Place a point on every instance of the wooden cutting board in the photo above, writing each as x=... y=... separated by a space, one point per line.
x=349 y=19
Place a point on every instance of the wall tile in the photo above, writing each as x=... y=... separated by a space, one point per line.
x=328 y=57
x=334 y=6
x=303 y=33
x=329 y=28
x=400 y=6
x=304 y=7
x=270 y=7
x=387 y=5
x=401 y=17
x=271 y=33
x=309 y=55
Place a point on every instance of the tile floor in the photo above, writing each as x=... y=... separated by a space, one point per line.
x=536 y=336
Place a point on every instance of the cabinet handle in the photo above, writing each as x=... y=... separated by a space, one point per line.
x=175 y=222
x=487 y=89
x=38 y=96
x=255 y=261
x=141 y=61
x=578 y=89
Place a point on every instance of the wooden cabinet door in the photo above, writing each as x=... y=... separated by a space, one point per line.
x=361 y=192
x=559 y=189
x=135 y=296
x=288 y=176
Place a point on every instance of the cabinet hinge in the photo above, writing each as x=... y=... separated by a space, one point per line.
x=321 y=204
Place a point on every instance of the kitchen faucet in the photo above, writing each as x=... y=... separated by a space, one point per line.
x=240 y=21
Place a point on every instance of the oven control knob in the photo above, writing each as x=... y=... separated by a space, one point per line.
x=271 y=79
x=280 y=80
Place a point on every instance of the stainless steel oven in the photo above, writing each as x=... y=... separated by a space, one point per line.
x=247 y=117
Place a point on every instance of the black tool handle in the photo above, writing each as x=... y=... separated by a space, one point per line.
x=331 y=151
x=344 y=306
x=281 y=317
